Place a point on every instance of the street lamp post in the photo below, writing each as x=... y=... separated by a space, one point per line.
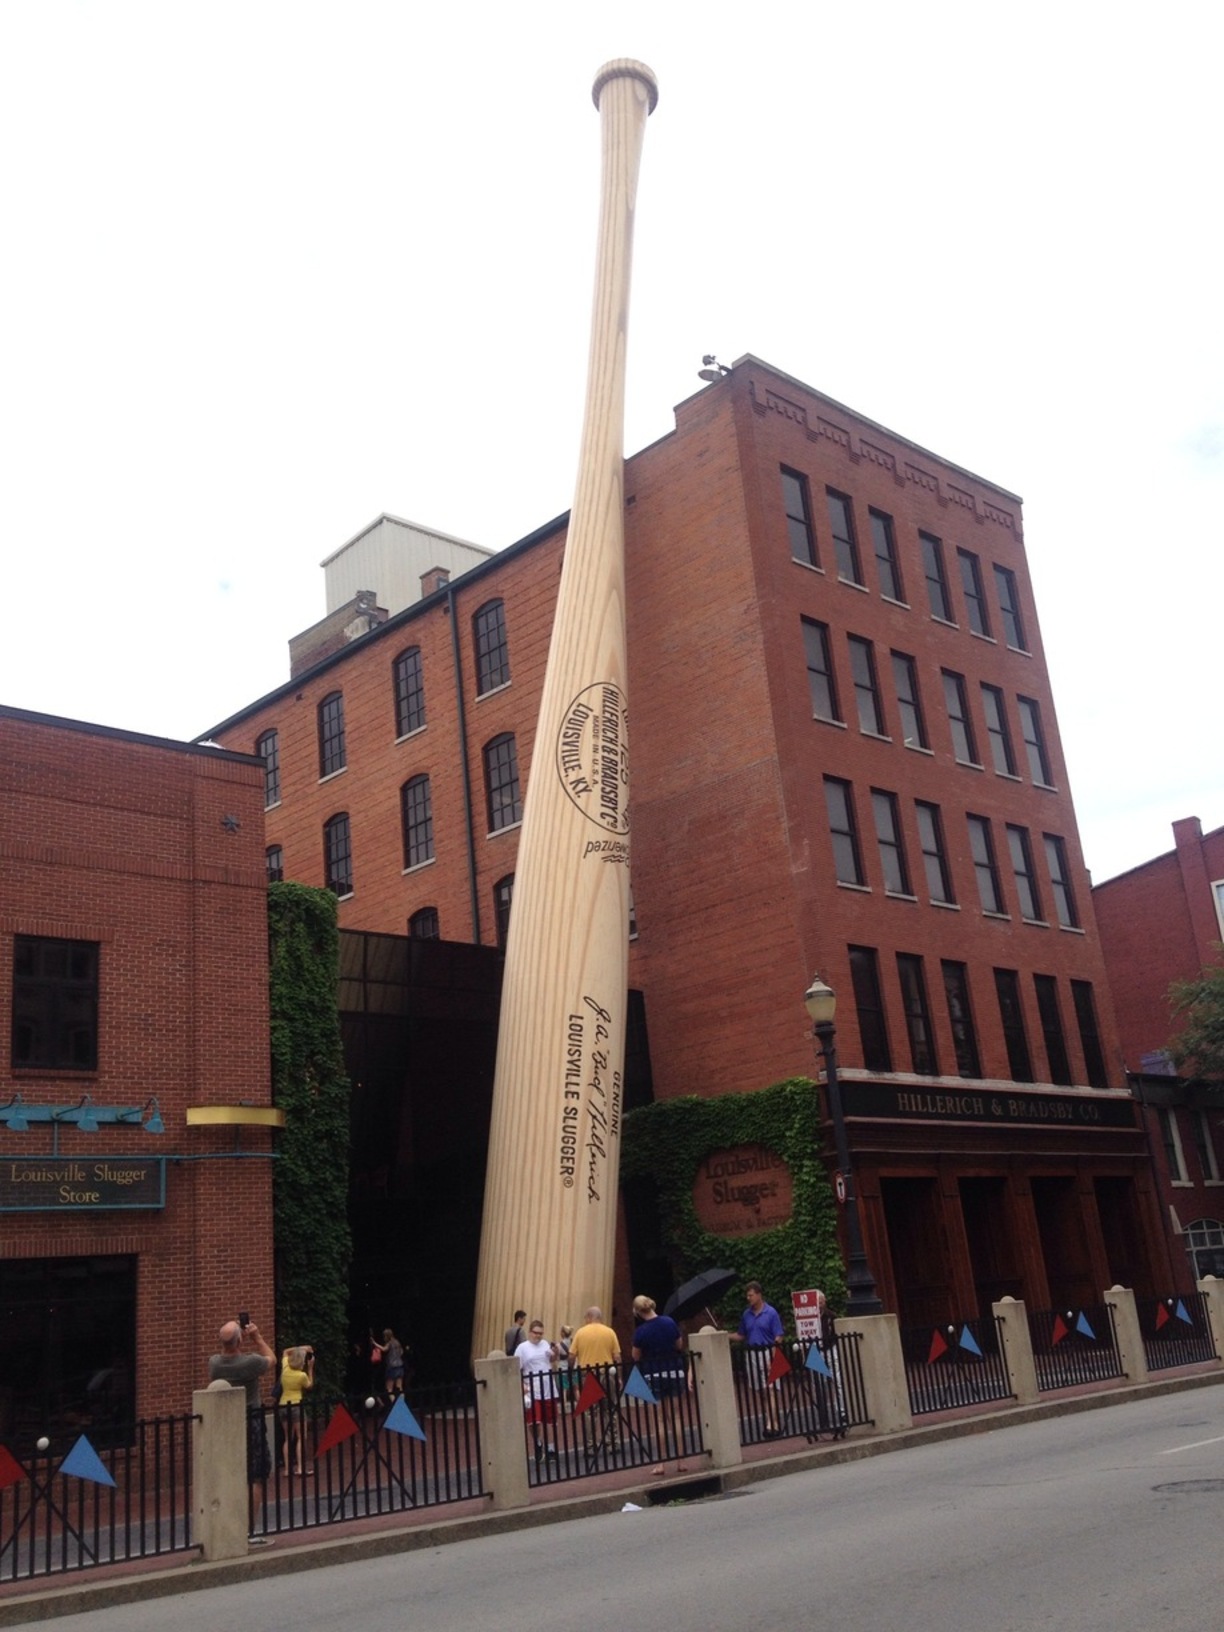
x=820 y=1001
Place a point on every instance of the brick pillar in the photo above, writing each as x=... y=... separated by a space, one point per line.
x=1017 y=1349
x=1126 y=1329
x=715 y=1386
x=1213 y=1290
x=219 y=1482
x=883 y=1369
x=499 y=1410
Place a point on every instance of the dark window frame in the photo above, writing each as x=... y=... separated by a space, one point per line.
x=845 y=540
x=1006 y=588
x=56 y=1003
x=503 y=791
x=998 y=732
x=338 y=854
x=503 y=901
x=909 y=700
x=911 y=977
x=1084 y=1003
x=424 y=925
x=869 y=1007
x=960 y=1018
x=888 y=565
x=333 y=753
x=890 y=842
x=936 y=577
x=1045 y=988
x=867 y=699
x=797 y=507
x=985 y=864
x=267 y=746
x=977 y=613
x=1032 y=733
x=274 y=863
x=416 y=821
x=1020 y=853
x=933 y=845
x=1011 y=1017
x=960 y=721
x=843 y=834
x=492 y=646
x=408 y=691
x=822 y=682
x=1065 y=908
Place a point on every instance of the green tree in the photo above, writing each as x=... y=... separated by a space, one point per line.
x=1198 y=1048
x=311 y=1177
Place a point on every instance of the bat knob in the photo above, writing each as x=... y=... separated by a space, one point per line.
x=627 y=68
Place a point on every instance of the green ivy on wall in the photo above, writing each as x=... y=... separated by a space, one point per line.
x=668 y=1141
x=309 y=1083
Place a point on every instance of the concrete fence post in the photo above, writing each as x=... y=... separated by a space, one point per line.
x=1213 y=1290
x=883 y=1369
x=499 y=1411
x=1012 y=1325
x=1126 y=1330
x=219 y=1471
x=715 y=1393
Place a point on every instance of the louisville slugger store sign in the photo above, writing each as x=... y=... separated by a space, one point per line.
x=51 y=1184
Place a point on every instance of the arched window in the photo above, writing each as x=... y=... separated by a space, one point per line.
x=338 y=854
x=492 y=652
x=1205 y=1244
x=416 y=817
x=268 y=749
x=503 y=798
x=503 y=894
x=423 y=925
x=409 y=689
x=331 y=734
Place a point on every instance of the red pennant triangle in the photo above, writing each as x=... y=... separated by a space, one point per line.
x=340 y=1428
x=938 y=1346
x=11 y=1471
x=591 y=1392
x=1162 y=1315
x=779 y=1366
x=1060 y=1330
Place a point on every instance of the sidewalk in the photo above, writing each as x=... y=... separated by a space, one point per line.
x=136 y=1581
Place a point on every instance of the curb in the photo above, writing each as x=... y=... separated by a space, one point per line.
x=289 y=1555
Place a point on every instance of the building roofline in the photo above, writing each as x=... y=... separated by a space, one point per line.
x=1163 y=855
x=417 y=527
x=87 y=728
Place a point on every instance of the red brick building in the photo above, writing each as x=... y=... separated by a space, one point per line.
x=845 y=758
x=1160 y=922
x=133 y=973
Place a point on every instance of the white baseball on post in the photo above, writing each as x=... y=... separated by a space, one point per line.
x=549 y=1231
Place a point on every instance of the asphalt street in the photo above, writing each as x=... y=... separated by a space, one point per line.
x=1109 y=1519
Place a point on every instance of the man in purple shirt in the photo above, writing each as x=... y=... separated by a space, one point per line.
x=761 y=1328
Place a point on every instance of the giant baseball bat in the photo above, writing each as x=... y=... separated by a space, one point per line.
x=549 y=1231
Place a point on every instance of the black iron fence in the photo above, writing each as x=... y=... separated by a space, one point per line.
x=1176 y=1331
x=330 y=1461
x=799 y=1391
x=1074 y=1346
x=605 y=1418
x=954 y=1365
x=71 y=1506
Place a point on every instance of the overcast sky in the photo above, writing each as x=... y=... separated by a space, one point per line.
x=271 y=269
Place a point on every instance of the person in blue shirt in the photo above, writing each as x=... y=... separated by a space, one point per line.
x=760 y=1328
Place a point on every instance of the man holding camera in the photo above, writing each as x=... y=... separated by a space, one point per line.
x=241 y=1370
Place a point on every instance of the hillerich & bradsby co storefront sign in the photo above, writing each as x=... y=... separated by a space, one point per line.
x=53 y=1184
x=1096 y=1110
x=742 y=1190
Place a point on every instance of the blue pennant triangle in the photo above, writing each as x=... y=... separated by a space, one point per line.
x=83 y=1462
x=816 y=1362
x=638 y=1388
x=1083 y=1327
x=968 y=1341
x=1181 y=1314
x=400 y=1420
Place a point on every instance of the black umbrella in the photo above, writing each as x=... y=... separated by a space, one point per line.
x=699 y=1293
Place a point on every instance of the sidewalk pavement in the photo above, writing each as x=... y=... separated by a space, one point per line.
x=139 y=1579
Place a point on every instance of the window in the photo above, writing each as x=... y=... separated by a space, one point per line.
x=409 y=689
x=503 y=895
x=1019 y=1063
x=55 y=1003
x=917 y=1015
x=423 y=925
x=892 y=846
x=866 y=689
x=847 y=863
x=1021 y=852
x=274 y=860
x=994 y=708
x=909 y=703
x=934 y=854
x=492 y=652
x=960 y=1019
x=331 y=734
x=1217 y=891
x=1046 y=988
x=957 y=701
x=873 y=1033
x=1170 y=1138
x=416 y=820
x=936 y=582
x=1090 y=1036
x=975 y=599
x=633 y=923
x=1205 y=1245
x=821 y=684
x=268 y=749
x=338 y=855
x=1205 y=1145
x=1009 y=608
x=1060 y=881
x=841 y=524
x=1034 y=741
x=885 y=545
x=981 y=846
x=798 y=509
x=504 y=801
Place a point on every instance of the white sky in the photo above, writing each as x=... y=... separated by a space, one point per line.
x=269 y=269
